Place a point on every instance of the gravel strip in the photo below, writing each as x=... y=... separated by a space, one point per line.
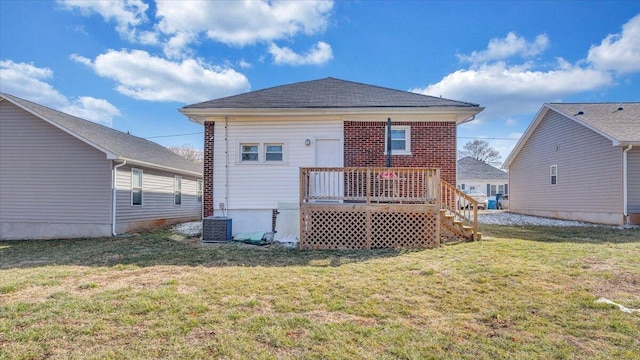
x=507 y=218
x=191 y=229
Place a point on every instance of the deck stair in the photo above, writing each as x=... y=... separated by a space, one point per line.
x=457 y=227
x=459 y=223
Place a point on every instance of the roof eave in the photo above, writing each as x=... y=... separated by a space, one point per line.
x=200 y=115
x=159 y=167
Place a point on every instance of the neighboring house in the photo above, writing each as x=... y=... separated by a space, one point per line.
x=58 y=175
x=474 y=174
x=255 y=143
x=579 y=162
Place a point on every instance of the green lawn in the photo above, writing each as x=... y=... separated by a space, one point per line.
x=522 y=293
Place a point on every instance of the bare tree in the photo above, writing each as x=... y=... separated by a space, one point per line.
x=188 y=152
x=480 y=150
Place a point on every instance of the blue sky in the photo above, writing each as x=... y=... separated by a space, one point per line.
x=131 y=64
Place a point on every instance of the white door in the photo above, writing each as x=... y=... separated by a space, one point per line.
x=325 y=186
x=329 y=153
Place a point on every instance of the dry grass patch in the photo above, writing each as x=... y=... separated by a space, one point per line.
x=526 y=292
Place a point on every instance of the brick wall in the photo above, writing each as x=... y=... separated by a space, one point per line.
x=433 y=144
x=207 y=191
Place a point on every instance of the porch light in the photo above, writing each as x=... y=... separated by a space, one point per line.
x=307 y=142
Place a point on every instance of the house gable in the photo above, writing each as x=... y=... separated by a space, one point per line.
x=588 y=178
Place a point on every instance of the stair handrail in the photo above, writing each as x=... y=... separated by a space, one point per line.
x=462 y=206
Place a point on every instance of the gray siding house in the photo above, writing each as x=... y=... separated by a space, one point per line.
x=579 y=162
x=66 y=177
x=474 y=174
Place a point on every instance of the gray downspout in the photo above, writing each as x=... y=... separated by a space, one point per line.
x=625 y=184
x=113 y=196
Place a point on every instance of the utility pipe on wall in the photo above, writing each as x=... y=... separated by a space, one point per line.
x=226 y=166
x=625 y=184
x=113 y=196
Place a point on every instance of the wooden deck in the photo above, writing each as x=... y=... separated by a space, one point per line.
x=365 y=208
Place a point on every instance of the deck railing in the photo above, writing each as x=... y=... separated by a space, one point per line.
x=370 y=185
x=460 y=205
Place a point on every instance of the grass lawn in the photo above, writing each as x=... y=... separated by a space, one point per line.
x=522 y=293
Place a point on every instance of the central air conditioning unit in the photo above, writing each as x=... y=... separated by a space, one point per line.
x=216 y=229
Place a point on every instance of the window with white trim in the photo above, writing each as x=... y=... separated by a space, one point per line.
x=249 y=152
x=262 y=152
x=136 y=187
x=554 y=174
x=199 y=190
x=493 y=190
x=400 y=140
x=273 y=152
x=177 y=190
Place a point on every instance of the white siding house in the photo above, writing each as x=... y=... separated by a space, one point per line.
x=252 y=187
x=474 y=174
x=579 y=162
x=255 y=143
x=59 y=174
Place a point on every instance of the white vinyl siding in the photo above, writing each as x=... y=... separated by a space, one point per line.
x=159 y=196
x=589 y=166
x=49 y=176
x=262 y=185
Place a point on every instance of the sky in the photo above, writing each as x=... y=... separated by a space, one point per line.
x=132 y=64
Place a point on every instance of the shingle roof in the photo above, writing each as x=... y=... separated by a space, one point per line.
x=327 y=93
x=621 y=121
x=470 y=168
x=122 y=145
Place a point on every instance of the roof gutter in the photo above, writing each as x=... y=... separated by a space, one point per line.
x=113 y=196
x=160 y=167
x=625 y=184
x=200 y=115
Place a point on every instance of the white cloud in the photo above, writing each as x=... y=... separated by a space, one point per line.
x=619 y=52
x=178 y=24
x=319 y=54
x=146 y=77
x=30 y=82
x=98 y=110
x=242 y=23
x=510 y=90
x=511 y=45
x=511 y=122
x=127 y=14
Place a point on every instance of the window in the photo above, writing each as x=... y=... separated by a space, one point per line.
x=199 y=190
x=554 y=174
x=177 y=190
x=400 y=140
x=501 y=189
x=262 y=153
x=273 y=152
x=249 y=152
x=136 y=187
x=493 y=191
